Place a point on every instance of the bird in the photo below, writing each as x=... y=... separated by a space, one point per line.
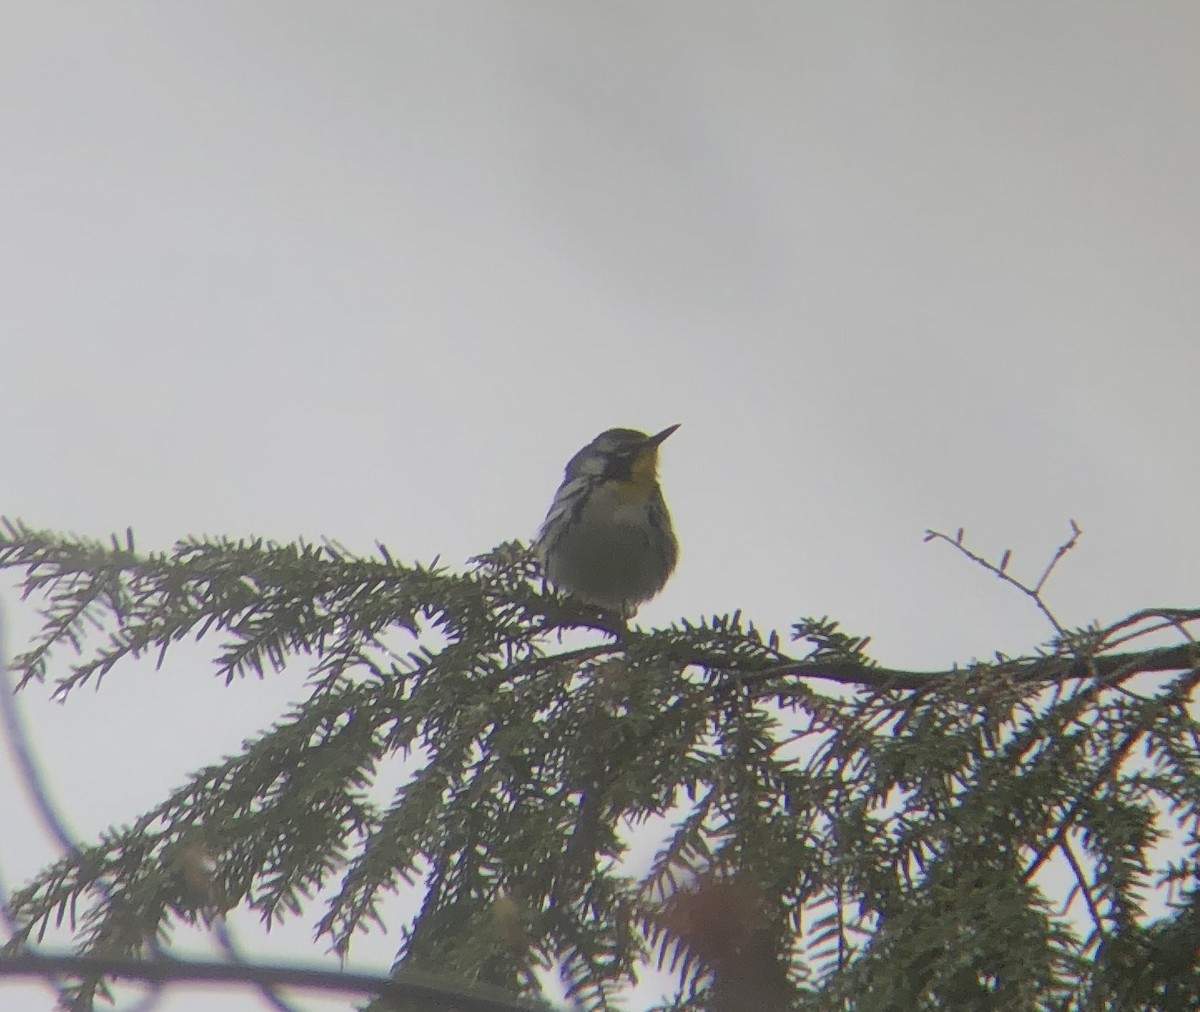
x=607 y=538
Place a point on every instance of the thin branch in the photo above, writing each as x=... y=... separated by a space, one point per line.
x=1085 y=888
x=433 y=997
x=229 y=946
x=1000 y=568
x=1025 y=671
x=1062 y=550
x=1167 y=618
x=28 y=767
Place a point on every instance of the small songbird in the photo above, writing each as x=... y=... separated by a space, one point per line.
x=607 y=539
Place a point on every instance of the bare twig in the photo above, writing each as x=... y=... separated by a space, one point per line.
x=1000 y=568
x=1062 y=550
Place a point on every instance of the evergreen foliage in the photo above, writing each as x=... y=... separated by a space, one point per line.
x=834 y=834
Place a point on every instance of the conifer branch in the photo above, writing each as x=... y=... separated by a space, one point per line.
x=885 y=820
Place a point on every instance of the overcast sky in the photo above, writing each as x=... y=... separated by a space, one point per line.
x=375 y=271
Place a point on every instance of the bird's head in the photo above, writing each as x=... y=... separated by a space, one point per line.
x=624 y=455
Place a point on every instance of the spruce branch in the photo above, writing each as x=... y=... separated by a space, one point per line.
x=865 y=819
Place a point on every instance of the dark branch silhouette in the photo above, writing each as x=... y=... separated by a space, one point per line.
x=432 y=997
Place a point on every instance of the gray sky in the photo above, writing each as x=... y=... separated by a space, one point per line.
x=376 y=271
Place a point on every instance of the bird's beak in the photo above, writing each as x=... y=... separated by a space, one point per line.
x=659 y=437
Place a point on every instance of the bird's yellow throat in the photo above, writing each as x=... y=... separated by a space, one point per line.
x=643 y=476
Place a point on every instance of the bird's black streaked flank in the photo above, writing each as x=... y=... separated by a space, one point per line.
x=607 y=539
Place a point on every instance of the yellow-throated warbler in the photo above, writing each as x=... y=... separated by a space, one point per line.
x=607 y=539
